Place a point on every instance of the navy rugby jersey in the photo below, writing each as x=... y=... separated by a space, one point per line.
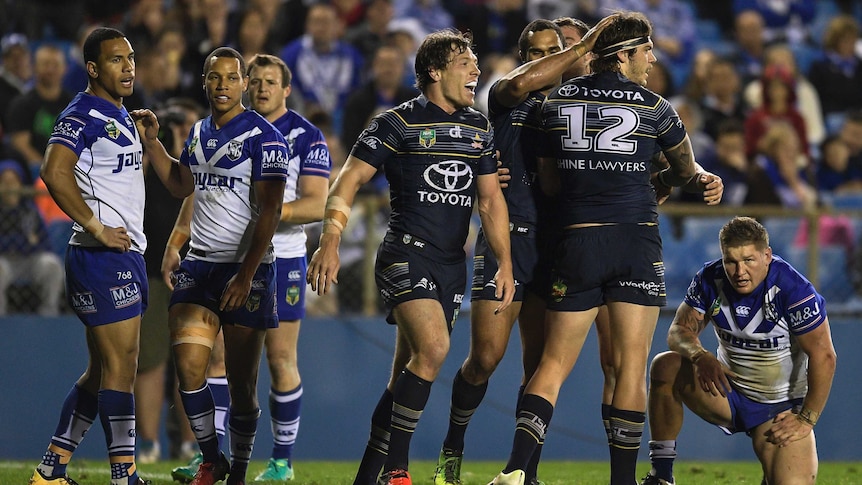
x=517 y=133
x=109 y=171
x=431 y=160
x=603 y=129
x=226 y=162
x=756 y=332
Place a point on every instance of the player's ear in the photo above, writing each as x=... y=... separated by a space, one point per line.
x=91 y=69
x=434 y=74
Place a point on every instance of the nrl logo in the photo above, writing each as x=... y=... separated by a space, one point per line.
x=234 y=150
x=112 y=130
x=193 y=145
x=427 y=138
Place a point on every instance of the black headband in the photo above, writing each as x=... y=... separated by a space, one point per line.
x=624 y=45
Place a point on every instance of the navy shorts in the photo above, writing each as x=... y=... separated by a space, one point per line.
x=525 y=255
x=403 y=273
x=203 y=283
x=594 y=265
x=104 y=285
x=290 y=288
x=746 y=414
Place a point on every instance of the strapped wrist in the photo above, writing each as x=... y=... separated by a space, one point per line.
x=697 y=355
x=808 y=416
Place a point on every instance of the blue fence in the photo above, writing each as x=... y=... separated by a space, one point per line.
x=345 y=365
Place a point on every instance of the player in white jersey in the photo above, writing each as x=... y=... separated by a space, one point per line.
x=227 y=279
x=772 y=372
x=93 y=169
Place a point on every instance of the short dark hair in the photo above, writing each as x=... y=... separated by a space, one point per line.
x=533 y=27
x=742 y=231
x=93 y=44
x=224 y=52
x=263 y=60
x=628 y=26
x=578 y=24
x=436 y=53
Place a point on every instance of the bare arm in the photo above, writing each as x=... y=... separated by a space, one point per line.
x=325 y=262
x=269 y=195
x=817 y=344
x=682 y=165
x=513 y=88
x=58 y=173
x=495 y=225
x=310 y=204
x=177 y=178
x=683 y=337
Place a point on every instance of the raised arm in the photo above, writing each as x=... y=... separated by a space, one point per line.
x=325 y=262
x=513 y=88
x=177 y=178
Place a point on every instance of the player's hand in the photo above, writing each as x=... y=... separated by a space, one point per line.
x=787 y=428
x=235 y=294
x=170 y=263
x=503 y=173
x=147 y=123
x=505 y=289
x=662 y=192
x=712 y=186
x=589 y=39
x=325 y=263
x=115 y=238
x=712 y=376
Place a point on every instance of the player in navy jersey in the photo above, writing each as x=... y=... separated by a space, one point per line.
x=515 y=111
x=602 y=131
x=93 y=169
x=438 y=154
x=227 y=279
x=772 y=372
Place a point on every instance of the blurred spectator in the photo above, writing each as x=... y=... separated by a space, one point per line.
x=407 y=35
x=779 y=105
x=351 y=12
x=660 y=80
x=76 y=78
x=695 y=83
x=673 y=31
x=25 y=255
x=785 y=20
x=494 y=66
x=15 y=72
x=209 y=27
x=144 y=23
x=50 y=19
x=837 y=76
x=373 y=31
x=499 y=27
x=381 y=92
x=720 y=12
x=851 y=134
x=253 y=34
x=807 y=98
x=431 y=14
x=727 y=159
x=32 y=114
x=722 y=98
x=325 y=68
x=51 y=213
x=551 y=9
x=749 y=44
x=286 y=18
x=182 y=75
x=777 y=178
x=834 y=173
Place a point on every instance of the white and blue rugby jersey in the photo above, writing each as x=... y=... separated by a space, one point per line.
x=756 y=332
x=226 y=162
x=109 y=171
x=308 y=155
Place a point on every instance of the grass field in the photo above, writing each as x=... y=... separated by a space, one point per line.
x=473 y=473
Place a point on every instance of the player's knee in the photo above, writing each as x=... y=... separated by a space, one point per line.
x=481 y=365
x=665 y=367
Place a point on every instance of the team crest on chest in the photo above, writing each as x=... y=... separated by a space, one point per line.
x=111 y=129
x=427 y=138
x=234 y=150
x=477 y=142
